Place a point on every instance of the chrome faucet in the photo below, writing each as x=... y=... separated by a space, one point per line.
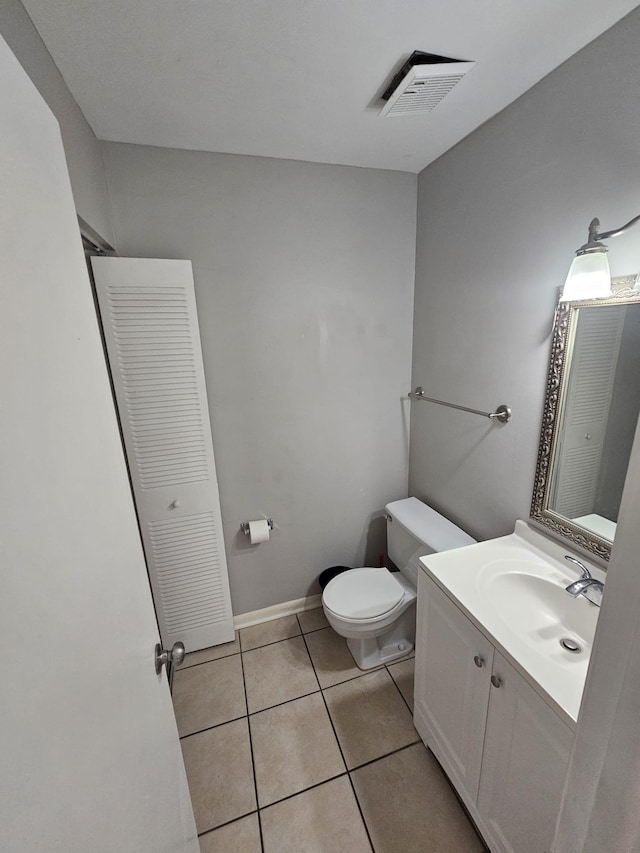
x=583 y=569
x=591 y=588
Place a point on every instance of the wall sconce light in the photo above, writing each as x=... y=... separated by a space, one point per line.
x=589 y=276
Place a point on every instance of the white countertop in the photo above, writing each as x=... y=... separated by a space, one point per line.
x=512 y=589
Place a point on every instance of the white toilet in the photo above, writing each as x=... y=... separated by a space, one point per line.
x=375 y=609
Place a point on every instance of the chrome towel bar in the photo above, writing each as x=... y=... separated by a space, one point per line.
x=502 y=413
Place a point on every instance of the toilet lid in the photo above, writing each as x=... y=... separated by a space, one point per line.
x=363 y=593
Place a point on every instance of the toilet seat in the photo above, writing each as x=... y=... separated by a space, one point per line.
x=363 y=594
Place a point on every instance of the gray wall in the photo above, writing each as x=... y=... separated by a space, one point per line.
x=304 y=282
x=80 y=144
x=499 y=217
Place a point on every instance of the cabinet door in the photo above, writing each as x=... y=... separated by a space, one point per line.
x=451 y=690
x=526 y=753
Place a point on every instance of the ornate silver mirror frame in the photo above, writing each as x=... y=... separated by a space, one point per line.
x=564 y=329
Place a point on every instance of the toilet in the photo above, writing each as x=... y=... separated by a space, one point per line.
x=375 y=609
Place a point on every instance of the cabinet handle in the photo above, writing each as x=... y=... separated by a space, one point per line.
x=496 y=680
x=479 y=662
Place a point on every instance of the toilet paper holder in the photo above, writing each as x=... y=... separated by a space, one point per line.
x=244 y=525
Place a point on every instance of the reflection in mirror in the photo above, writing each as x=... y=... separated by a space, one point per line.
x=591 y=410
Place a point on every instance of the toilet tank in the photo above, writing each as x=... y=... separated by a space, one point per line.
x=415 y=529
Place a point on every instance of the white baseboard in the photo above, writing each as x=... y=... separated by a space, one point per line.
x=276 y=611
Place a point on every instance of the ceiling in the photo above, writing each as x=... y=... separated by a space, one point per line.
x=301 y=79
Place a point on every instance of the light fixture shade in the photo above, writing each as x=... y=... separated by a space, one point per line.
x=589 y=277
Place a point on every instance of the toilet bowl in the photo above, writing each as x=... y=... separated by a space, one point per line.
x=374 y=608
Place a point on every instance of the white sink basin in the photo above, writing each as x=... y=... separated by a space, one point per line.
x=538 y=607
x=513 y=589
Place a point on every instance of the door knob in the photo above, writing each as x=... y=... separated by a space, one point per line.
x=496 y=680
x=163 y=656
x=479 y=662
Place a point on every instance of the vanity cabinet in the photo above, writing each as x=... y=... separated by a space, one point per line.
x=503 y=747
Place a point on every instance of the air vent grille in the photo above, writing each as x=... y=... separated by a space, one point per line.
x=423 y=87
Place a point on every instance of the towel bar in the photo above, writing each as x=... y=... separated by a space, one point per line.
x=502 y=413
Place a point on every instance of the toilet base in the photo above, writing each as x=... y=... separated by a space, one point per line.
x=396 y=642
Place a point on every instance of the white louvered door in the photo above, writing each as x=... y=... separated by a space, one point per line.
x=593 y=368
x=150 y=324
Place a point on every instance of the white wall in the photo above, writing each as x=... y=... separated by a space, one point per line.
x=304 y=282
x=599 y=811
x=500 y=216
x=81 y=147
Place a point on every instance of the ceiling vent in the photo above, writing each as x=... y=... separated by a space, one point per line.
x=422 y=82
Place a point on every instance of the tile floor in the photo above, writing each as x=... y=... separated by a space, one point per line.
x=289 y=747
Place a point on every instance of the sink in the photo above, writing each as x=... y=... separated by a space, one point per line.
x=513 y=589
x=539 y=607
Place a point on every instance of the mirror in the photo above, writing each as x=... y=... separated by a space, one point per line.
x=590 y=413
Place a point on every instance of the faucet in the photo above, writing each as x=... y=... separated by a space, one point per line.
x=588 y=586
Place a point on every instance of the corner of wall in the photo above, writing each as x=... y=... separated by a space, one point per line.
x=81 y=145
x=109 y=202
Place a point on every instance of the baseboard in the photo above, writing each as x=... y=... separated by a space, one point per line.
x=277 y=611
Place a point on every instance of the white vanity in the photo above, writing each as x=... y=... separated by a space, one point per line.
x=497 y=694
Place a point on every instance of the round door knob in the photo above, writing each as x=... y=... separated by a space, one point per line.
x=479 y=662
x=177 y=653
x=163 y=656
x=496 y=680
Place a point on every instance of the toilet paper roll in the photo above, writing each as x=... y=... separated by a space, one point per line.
x=259 y=531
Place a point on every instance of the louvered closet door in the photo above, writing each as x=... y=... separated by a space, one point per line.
x=150 y=324
x=593 y=369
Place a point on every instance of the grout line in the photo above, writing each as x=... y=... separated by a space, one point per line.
x=302 y=633
x=323 y=781
x=335 y=734
x=398 y=660
x=313 y=667
x=364 y=822
x=202 y=662
x=402 y=659
x=401 y=693
x=253 y=763
x=315 y=630
x=458 y=798
x=361 y=674
x=279 y=704
x=272 y=643
x=286 y=701
x=347 y=772
x=386 y=755
x=226 y=823
x=303 y=790
x=215 y=726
